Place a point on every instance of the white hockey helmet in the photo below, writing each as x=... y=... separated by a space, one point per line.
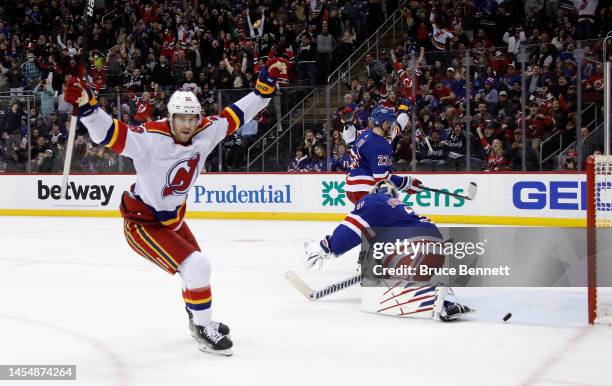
x=184 y=102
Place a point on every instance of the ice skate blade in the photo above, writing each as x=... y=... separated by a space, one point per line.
x=205 y=348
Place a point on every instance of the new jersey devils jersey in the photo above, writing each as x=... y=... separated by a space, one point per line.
x=165 y=169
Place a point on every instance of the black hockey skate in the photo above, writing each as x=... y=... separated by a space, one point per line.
x=212 y=341
x=452 y=311
x=223 y=329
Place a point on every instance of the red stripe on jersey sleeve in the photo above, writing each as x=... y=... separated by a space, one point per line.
x=356 y=223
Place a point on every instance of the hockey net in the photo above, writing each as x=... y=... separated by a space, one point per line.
x=599 y=238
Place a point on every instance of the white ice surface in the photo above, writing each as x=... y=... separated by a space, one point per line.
x=72 y=292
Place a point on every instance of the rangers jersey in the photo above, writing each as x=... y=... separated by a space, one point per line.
x=374 y=212
x=166 y=170
x=372 y=158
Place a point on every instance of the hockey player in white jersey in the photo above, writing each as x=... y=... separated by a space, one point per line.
x=168 y=156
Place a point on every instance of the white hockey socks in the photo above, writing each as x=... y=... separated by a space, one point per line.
x=195 y=274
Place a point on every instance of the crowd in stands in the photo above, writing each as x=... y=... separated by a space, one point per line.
x=434 y=88
x=142 y=50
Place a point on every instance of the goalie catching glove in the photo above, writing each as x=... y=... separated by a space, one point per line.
x=78 y=93
x=268 y=77
x=317 y=251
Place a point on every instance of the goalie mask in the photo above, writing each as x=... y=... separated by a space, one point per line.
x=183 y=102
x=385 y=187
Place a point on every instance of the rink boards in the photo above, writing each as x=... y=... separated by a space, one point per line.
x=544 y=199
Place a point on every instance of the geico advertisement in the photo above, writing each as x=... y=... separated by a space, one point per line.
x=555 y=193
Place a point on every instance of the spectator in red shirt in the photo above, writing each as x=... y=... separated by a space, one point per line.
x=496 y=156
x=499 y=63
x=443 y=94
x=144 y=108
x=538 y=126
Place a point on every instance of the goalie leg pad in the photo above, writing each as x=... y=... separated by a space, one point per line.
x=399 y=298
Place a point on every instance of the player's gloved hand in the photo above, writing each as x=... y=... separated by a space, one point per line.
x=268 y=76
x=317 y=251
x=414 y=186
x=78 y=93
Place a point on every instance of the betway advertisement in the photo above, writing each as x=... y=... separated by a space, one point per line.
x=501 y=198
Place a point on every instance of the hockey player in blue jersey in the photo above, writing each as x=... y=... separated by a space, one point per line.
x=381 y=209
x=372 y=156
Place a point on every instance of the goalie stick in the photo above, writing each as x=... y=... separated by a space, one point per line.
x=88 y=12
x=312 y=294
x=470 y=196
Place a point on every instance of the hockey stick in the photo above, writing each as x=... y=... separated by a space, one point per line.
x=88 y=12
x=470 y=196
x=311 y=294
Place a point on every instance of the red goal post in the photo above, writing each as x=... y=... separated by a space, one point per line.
x=599 y=238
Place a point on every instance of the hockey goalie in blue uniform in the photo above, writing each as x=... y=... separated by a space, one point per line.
x=382 y=209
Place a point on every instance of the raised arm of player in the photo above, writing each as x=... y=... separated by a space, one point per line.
x=127 y=140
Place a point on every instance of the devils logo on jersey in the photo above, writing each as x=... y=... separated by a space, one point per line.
x=181 y=175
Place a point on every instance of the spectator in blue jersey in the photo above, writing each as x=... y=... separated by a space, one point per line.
x=300 y=163
x=362 y=114
x=457 y=83
x=512 y=76
x=319 y=160
x=342 y=162
x=491 y=96
x=349 y=103
x=381 y=216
